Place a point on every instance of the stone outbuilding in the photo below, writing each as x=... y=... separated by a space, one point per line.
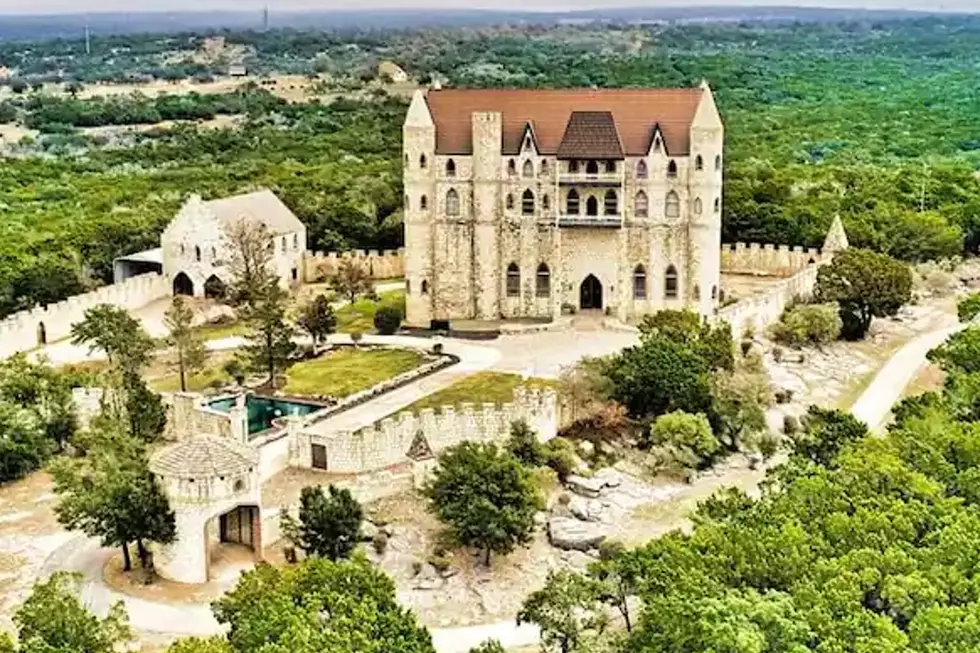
x=196 y=254
x=213 y=486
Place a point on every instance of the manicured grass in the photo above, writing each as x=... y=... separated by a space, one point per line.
x=482 y=387
x=219 y=331
x=359 y=316
x=348 y=370
x=195 y=382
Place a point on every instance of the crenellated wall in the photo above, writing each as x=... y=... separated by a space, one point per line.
x=387 y=264
x=767 y=260
x=387 y=444
x=762 y=309
x=26 y=330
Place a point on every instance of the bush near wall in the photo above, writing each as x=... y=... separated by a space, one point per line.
x=808 y=324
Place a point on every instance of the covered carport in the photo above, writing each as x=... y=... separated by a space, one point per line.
x=136 y=264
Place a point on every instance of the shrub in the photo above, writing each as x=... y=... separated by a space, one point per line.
x=769 y=444
x=814 y=324
x=437 y=348
x=439 y=562
x=746 y=347
x=416 y=567
x=560 y=456
x=790 y=424
x=525 y=446
x=235 y=370
x=388 y=319
x=784 y=396
x=968 y=307
x=355 y=337
x=777 y=354
x=684 y=438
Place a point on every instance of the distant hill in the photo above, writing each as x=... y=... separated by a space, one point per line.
x=22 y=27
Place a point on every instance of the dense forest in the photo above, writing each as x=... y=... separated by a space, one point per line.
x=878 y=121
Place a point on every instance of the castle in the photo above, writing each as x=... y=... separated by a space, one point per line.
x=528 y=203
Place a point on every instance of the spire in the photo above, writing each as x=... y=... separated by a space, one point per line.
x=836 y=239
x=418 y=112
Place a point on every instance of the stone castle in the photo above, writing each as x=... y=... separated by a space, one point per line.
x=527 y=203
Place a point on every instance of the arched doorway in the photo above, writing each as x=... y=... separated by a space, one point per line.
x=42 y=334
x=183 y=284
x=590 y=293
x=214 y=288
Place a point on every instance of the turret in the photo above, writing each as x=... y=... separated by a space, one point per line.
x=836 y=239
x=419 y=143
x=707 y=137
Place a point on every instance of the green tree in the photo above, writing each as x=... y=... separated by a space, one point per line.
x=808 y=324
x=525 y=445
x=825 y=433
x=387 y=319
x=485 y=496
x=44 y=391
x=318 y=605
x=489 y=646
x=317 y=319
x=351 y=280
x=191 y=354
x=54 y=620
x=23 y=445
x=329 y=524
x=865 y=285
x=968 y=307
x=201 y=645
x=145 y=412
x=110 y=493
x=119 y=335
x=711 y=341
x=270 y=340
x=684 y=439
x=251 y=249
x=960 y=352
x=739 y=399
x=619 y=573
x=568 y=612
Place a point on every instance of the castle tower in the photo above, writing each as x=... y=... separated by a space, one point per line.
x=419 y=143
x=836 y=239
x=487 y=139
x=705 y=201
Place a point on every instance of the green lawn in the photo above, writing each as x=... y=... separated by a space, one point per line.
x=195 y=382
x=219 y=331
x=348 y=370
x=482 y=387
x=359 y=316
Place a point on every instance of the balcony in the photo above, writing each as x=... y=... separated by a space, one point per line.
x=607 y=221
x=591 y=178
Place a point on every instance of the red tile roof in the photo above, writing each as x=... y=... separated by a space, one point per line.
x=635 y=111
x=590 y=135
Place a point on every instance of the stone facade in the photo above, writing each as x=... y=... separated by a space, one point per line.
x=196 y=254
x=491 y=234
x=387 y=264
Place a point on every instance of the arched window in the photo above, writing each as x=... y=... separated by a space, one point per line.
x=697 y=206
x=657 y=144
x=717 y=205
x=544 y=166
x=714 y=292
x=527 y=170
x=510 y=202
x=542 y=286
x=639 y=282
x=571 y=202
x=450 y=168
x=214 y=253
x=422 y=162
x=611 y=203
x=641 y=169
x=610 y=166
x=697 y=292
x=424 y=203
x=425 y=286
x=511 y=167
x=672 y=207
x=573 y=166
x=718 y=162
x=197 y=253
x=283 y=244
x=672 y=169
x=408 y=286
x=592 y=168
x=592 y=206
x=295 y=244
x=642 y=205
x=513 y=280
x=545 y=203
x=698 y=163
x=527 y=202
x=407 y=203
x=452 y=202
x=406 y=159
x=670 y=282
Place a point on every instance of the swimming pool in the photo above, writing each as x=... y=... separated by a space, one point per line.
x=262 y=410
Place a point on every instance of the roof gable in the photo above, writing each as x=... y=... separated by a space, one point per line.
x=261 y=206
x=590 y=135
x=634 y=113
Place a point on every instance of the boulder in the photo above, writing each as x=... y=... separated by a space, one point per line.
x=586 y=487
x=574 y=535
x=585 y=509
x=368 y=531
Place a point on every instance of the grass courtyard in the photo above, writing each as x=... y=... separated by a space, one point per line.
x=359 y=316
x=344 y=371
x=482 y=387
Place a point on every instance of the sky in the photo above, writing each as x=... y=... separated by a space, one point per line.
x=76 y=6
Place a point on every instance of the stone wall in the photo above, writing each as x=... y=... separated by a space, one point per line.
x=387 y=264
x=26 y=330
x=387 y=444
x=767 y=260
x=188 y=416
x=760 y=310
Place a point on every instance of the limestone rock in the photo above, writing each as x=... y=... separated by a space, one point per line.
x=368 y=531
x=574 y=535
x=586 y=487
x=586 y=509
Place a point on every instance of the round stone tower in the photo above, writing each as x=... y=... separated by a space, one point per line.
x=212 y=483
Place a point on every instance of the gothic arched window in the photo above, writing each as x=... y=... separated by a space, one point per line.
x=197 y=253
x=717 y=205
x=672 y=207
x=672 y=169
x=452 y=202
x=542 y=286
x=670 y=282
x=425 y=287
x=571 y=202
x=697 y=206
x=450 y=168
x=527 y=170
x=422 y=162
x=423 y=203
x=592 y=168
x=718 y=162
x=639 y=282
x=511 y=167
x=510 y=202
x=642 y=205
x=544 y=166
x=699 y=163
x=592 y=206
x=513 y=280
x=545 y=203
x=641 y=169
x=611 y=203
x=527 y=202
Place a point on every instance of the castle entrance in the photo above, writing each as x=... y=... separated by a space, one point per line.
x=590 y=293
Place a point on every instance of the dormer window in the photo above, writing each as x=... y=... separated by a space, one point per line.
x=658 y=145
x=672 y=169
x=573 y=166
x=422 y=162
x=641 y=169
x=450 y=168
x=610 y=166
x=527 y=142
x=699 y=163
x=511 y=167
x=527 y=169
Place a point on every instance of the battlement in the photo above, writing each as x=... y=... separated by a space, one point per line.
x=32 y=328
x=759 y=311
x=410 y=437
x=767 y=259
x=380 y=264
